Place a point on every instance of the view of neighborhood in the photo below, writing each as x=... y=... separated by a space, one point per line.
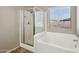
x=60 y=23
x=59 y=19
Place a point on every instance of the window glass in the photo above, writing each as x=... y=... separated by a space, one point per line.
x=59 y=19
x=39 y=24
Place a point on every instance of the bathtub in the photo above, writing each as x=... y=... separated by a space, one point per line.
x=52 y=42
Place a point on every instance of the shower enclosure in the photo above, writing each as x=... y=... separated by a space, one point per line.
x=31 y=22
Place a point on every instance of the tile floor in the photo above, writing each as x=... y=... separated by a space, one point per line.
x=21 y=50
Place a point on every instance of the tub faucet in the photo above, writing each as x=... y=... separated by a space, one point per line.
x=75 y=40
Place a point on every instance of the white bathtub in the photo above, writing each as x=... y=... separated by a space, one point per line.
x=52 y=42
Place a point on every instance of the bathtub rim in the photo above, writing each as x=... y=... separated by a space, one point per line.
x=54 y=45
x=51 y=44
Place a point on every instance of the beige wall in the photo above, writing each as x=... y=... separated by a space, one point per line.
x=74 y=19
x=9 y=27
x=78 y=20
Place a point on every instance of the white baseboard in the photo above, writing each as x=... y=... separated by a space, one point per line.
x=12 y=49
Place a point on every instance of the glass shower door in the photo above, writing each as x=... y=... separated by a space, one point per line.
x=31 y=23
x=28 y=28
x=39 y=21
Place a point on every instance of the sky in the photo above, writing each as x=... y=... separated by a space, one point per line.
x=59 y=13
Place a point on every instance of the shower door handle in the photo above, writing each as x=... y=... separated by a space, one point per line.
x=28 y=22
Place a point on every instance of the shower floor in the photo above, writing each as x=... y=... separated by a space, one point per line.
x=21 y=50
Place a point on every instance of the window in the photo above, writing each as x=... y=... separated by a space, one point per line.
x=59 y=19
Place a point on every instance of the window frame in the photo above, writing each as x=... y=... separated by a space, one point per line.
x=73 y=10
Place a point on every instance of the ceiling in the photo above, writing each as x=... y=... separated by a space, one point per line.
x=42 y=7
x=45 y=7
